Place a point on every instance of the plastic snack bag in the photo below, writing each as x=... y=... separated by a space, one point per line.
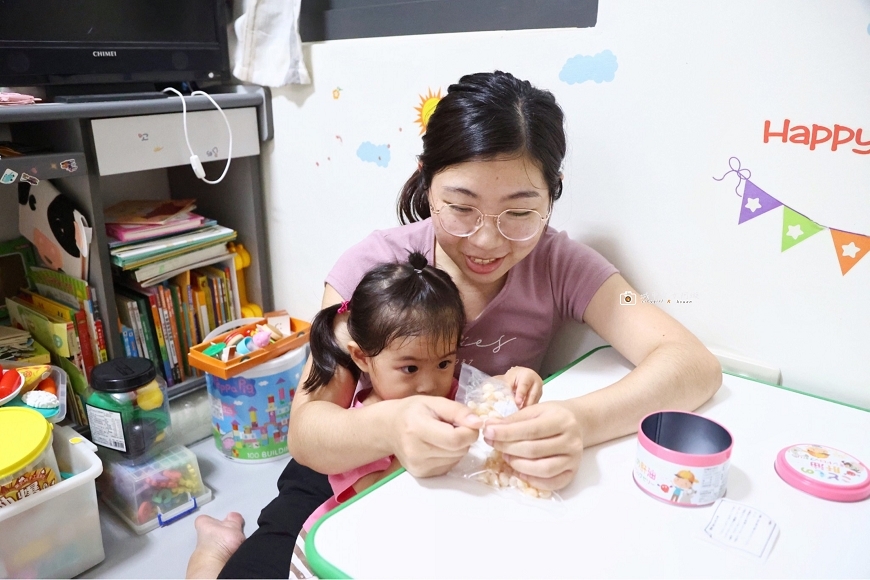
x=489 y=397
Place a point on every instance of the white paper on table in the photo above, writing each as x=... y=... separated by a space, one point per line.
x=744 y=528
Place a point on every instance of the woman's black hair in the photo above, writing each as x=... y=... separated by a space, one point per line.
x=483 y=116
x=392 y=300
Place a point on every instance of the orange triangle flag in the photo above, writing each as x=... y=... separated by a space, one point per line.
x=850 y=248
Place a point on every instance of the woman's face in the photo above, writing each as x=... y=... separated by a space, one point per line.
x=491 y=186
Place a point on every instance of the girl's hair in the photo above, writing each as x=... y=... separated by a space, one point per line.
x=483 y=116
x=393 y=300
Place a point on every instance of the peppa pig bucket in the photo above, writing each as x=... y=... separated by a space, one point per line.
x=682 y=458
x=251 y=410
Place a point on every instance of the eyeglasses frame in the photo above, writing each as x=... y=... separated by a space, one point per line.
x=496 y=216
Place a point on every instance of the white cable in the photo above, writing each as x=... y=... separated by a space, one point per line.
x=195 y=162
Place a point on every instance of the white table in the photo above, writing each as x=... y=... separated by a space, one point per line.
x=164 y=552
x=607 y=527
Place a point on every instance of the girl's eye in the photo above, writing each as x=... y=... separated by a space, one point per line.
x=410 y=369
x=445 y=364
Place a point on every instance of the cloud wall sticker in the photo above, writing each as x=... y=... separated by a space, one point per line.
x=600 y=68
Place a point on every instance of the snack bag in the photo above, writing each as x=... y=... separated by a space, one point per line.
x=490 y=397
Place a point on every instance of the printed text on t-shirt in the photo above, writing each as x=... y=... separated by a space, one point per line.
x=497 y=343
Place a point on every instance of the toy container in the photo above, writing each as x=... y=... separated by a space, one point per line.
x=59 y=376
x=824 y=472
x=27 y=462
x=682 y=458
x=128 y=409
x=56 y=532
x=154 y=493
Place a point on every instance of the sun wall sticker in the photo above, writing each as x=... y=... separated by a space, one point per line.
x=428 y=102
x=796 y=227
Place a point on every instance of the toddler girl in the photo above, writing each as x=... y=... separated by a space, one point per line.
x=405 y=322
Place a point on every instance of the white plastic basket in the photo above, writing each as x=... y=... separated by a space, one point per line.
x=56 y=533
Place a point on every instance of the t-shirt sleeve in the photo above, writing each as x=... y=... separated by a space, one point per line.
x=355 y=262
x=576 y=272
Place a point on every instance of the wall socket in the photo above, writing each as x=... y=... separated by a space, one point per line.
x=746 y=367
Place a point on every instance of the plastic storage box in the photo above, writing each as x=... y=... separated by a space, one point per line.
x=154 y=493
x=56 y=532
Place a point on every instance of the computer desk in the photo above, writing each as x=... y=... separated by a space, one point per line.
x=606 y=527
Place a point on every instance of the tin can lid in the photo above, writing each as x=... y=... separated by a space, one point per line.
x=24 y=435
x=123 y=374
x=824 y=472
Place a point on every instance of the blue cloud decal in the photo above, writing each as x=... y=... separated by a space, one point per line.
x=378 y=154
x=600 y=68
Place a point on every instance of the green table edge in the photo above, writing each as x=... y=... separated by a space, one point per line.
x=325 y=569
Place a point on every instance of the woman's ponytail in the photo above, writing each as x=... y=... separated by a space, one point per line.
x=326 y=354
x=413 y=205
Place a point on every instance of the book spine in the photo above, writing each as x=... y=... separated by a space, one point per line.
x=177 y=329
x=135 y=326
x=180 y=323
x=126 y=331
x=101 y=340
x=231 y=299
x=168 y=335
x=151 y=351
x=161 y=340
x=85 y=339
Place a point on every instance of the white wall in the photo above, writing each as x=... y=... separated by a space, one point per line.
x=694 y=84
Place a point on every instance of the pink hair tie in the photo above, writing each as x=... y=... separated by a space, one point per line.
x=343 y=308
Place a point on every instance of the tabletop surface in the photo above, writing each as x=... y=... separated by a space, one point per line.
x=605 y=526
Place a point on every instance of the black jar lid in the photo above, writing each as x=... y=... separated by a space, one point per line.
x=121 y=375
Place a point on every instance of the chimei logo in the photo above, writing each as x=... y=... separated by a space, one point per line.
x=99 y=53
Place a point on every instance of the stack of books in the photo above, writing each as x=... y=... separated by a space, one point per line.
x=62 y=315
x=152 y=241
x=175 y=280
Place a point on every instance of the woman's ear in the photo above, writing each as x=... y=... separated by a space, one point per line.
x=360 y=358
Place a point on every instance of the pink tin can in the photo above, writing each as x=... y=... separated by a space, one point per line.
x=682 y=458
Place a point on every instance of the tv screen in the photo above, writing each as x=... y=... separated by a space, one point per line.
x=48 y=42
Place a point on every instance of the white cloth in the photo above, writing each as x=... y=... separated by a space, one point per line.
x=268 y=49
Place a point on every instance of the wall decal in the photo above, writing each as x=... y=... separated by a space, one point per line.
x=600 y=68
x=796 y=227
x=428 y=102
x=377 y=154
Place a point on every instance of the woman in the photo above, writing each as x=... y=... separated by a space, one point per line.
x=479 y=204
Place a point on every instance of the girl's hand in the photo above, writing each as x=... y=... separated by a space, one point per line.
x=526 y=384
x=544 y=442
x=431 y=434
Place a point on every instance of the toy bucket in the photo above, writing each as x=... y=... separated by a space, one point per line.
x=682 y=458
x=251 y=410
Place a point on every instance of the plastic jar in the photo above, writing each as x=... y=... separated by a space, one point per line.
x=27 y=462
x=128 y=409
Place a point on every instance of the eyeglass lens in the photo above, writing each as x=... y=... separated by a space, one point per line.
x=514 y=224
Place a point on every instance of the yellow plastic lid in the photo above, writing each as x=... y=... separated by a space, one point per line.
x=24 y=435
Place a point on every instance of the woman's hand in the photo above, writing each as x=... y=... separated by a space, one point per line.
x=431 y=434
x=526 y=385
x=544 y=442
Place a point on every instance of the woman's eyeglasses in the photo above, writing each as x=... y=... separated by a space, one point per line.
x=517 y=225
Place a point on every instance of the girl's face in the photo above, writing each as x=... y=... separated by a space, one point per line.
x=408 y=366
x=492 y=187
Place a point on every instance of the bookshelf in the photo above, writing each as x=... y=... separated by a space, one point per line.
x=115 y=163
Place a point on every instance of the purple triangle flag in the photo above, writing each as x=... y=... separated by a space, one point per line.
x=755 y=202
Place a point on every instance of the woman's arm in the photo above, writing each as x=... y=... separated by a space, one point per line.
x=327 y=437
x=673 y=371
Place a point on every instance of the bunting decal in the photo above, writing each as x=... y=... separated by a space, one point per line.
x=796 y=227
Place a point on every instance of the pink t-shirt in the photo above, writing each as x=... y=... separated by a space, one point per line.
x=555 y=282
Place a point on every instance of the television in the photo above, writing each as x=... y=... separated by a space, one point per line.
x=119 y=43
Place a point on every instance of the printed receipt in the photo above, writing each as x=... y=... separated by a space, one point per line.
x=739 y=526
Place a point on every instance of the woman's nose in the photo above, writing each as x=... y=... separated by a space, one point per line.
x=488 y=235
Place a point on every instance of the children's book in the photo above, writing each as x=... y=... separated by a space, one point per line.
x=137 y=232
x=157 y=211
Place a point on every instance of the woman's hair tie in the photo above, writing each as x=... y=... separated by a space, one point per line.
x=343 y=308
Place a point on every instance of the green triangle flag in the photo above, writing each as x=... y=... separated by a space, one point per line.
x=796 y=228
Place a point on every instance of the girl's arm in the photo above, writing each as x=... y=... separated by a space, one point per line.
x=328 y=437
x=673 y=371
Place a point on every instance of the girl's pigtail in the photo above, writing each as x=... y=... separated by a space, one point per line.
x=326 y=354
